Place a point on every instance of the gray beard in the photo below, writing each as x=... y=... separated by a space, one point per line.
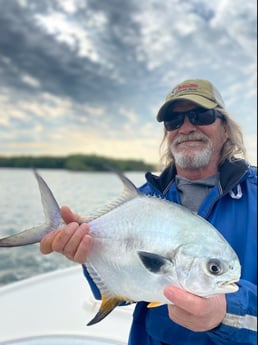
x=194 y=159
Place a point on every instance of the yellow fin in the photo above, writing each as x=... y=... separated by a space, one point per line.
x=154 y=304
x=107 y=305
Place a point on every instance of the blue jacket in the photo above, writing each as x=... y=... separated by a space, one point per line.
x=231 y=206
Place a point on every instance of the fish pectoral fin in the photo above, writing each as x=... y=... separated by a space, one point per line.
x=155 y=263
x=107 y=305
x=154 y=304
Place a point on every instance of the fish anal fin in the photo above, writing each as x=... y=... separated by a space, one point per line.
x=154 y=304
x=107 y=305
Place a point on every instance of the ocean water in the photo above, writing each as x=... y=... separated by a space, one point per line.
x=20 y=208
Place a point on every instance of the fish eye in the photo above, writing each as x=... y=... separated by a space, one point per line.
x=214 y=266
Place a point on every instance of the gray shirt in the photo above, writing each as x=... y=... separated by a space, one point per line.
x=192 y=193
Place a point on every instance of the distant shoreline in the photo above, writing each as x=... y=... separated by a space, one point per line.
x=77 y=162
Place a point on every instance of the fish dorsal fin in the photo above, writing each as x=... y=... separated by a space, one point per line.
x=130 y=192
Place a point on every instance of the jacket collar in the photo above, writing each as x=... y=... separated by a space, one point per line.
x=230 y=173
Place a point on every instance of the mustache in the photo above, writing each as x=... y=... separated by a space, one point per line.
x=181 y=138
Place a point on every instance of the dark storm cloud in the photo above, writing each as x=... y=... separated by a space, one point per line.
x=25 y=48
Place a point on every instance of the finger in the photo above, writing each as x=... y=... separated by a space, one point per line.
x=46 y=242
x=202 y=320
x=185 y=300
x=63 y=236
x=68 y=216
x=185 y=319
x=177 y=314
x=73 y=244
x=83 y=249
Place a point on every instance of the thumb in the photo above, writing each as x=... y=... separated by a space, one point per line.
x=68 y=216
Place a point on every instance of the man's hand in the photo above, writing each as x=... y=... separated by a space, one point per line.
x=73 y=241
x=193 y=312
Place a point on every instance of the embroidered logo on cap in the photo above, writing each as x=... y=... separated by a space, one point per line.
x=185 y=87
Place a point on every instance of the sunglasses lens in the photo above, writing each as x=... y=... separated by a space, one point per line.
x=202 y=118
x=198 y=117
x=176 y=122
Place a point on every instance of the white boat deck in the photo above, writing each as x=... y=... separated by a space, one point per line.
x=54 y=308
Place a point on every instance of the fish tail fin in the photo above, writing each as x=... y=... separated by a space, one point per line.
x=107 y=305
x=52 y=214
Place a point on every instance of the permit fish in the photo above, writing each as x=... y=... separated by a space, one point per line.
x=141 y=244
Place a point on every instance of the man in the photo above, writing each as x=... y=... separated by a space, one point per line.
x=203 y=173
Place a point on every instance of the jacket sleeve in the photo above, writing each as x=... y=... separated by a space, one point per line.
x=240 y=323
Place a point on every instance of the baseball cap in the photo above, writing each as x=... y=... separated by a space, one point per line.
x=199 y=91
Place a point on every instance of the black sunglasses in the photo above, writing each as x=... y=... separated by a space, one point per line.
x=197 y=117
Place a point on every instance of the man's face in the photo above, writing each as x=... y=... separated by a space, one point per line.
x=193 y=146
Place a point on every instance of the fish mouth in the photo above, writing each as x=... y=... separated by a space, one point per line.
x=229 y=286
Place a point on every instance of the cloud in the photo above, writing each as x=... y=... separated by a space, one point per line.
x=102 y=70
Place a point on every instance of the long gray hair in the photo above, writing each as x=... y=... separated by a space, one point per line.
x=233 y=148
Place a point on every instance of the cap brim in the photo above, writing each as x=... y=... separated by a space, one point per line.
x=203 y=102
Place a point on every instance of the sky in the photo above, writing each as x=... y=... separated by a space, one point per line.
x=89 y=76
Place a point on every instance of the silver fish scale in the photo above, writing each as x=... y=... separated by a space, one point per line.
x=147 y=221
